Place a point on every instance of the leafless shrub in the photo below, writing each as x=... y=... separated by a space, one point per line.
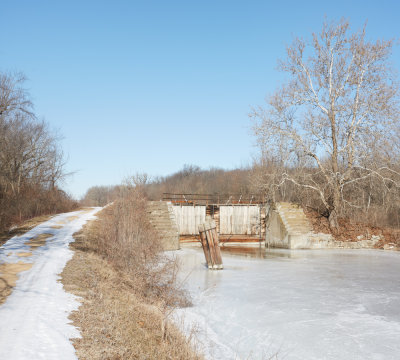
x=124 y=236
x=116 y=322
x=99 y=195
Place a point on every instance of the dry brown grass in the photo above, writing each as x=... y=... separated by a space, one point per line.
x=9 y=276
x=9 y=271
x=23 y=254
x=23 y=228
x=114 y=320
x=350 y=229
x=127 y=287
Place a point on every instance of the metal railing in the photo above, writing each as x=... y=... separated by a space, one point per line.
x=212 y=199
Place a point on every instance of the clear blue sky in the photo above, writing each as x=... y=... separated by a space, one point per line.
x=148 y=86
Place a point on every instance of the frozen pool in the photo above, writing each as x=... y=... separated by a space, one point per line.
x=320 y=304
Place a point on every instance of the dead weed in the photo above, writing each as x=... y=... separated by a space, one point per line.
x=114 y=321
x=351 y=230
x=128 y=288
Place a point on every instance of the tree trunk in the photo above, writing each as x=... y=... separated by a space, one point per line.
x=333 y=213
x=333 y=221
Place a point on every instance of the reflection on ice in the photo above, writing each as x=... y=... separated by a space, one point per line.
x=317 y=304
x=258 y=252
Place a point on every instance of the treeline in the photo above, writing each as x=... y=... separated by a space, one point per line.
x=191 y=179
x=31 y=161
x=194 y=180
x=374 y=200
x=100 y=195
x=370 y=201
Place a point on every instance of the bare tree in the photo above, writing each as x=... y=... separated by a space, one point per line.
x=31 y=161
x=100 y=195
x=335 y=116
x=13 y=96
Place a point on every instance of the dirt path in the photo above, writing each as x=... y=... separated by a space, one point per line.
x=34 y=308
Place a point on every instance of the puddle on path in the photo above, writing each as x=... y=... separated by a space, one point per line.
x=65 y=221
x=9 y=276
x=86 y=211
x=61 y=222
x=24 y=254
x=9 y=271
x=38 y=241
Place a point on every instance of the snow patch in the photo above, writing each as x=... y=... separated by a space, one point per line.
x=34 y=318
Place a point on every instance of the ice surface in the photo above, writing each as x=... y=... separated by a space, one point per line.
x=34 y=320
x=320 y=304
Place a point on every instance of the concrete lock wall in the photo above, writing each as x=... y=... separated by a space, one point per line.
x=276 y=235
x=288 y=227
x=188 y=218
x=239 y=219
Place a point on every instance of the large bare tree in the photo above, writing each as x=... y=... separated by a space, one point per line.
x=336 y=116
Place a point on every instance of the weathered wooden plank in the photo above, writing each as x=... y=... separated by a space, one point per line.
x=212 y=248
x=188 y=218
x=218 y=256
x=206 y=248
x=239 y=219
x=210 y=244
